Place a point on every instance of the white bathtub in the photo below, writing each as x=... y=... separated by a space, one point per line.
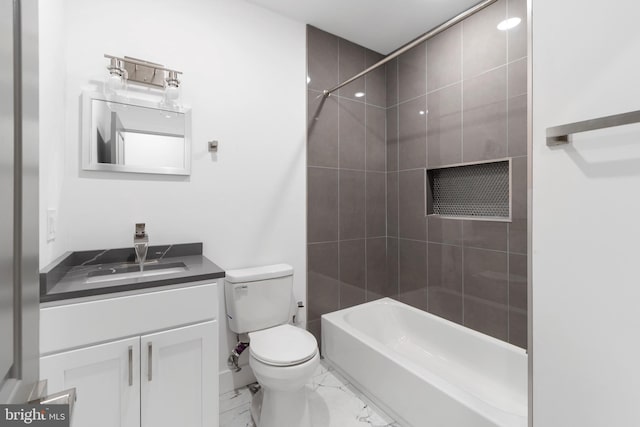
x=424 y=370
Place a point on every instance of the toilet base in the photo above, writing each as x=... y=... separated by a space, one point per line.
x=271 y=408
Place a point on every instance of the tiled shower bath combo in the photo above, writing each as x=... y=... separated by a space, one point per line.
x=458 y=98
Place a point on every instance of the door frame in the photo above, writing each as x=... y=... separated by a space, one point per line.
x=530 y=211
x=23 y=377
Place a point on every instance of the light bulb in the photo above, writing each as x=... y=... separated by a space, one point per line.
x=171 y=96
x=117 y=78
x=114 y=83
x=172 y=92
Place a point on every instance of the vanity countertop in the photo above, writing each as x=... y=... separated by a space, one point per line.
x=90 y=273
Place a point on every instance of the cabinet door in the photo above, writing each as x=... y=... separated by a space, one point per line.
x=179 y=377
x=107 y=382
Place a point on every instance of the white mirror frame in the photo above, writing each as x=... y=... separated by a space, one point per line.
x=89 y=161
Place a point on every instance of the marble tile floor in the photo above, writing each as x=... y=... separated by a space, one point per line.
x=333 y=403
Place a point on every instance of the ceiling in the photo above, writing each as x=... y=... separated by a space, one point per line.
x=380 y=25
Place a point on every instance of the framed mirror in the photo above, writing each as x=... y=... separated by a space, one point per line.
x=125 y=135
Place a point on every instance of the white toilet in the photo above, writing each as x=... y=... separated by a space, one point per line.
x=283 y=357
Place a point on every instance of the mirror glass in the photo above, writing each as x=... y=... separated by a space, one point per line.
x=135 y=136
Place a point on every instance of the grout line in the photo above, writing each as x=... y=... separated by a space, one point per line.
x=306 y=188
x=462 y=290
x=490 y=303
x=386 y=171
x=411 y=170
x=346 y=240
x=348 y=169
x=487 y=71
x=466 y=246
x=339 y=175
x=516 y=60
x=386 y=179
x=508 y=288
x=366 y=201
x=462 y=274
x=397 y=165
x=510 y=192
x=424 y=177
x=412 y=240
x=397 y=86
x=406 y=101
x=506 y=90
x=447 y=86
x=334 y=95
x=462 y=118
x=386 y=196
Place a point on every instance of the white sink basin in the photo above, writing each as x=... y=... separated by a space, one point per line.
x=112 y=274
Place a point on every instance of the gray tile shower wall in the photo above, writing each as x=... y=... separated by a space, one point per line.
x=346 y=178
x=459 y=97
x=472 y=86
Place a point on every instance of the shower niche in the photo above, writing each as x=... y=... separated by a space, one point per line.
x=479 y=190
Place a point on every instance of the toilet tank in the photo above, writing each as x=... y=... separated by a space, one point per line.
x=259 y=297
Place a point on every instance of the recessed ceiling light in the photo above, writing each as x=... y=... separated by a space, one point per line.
x=509 y=23
x=358 y=94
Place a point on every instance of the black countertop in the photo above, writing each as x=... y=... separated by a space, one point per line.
x=90 y=273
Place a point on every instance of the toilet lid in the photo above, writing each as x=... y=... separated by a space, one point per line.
x=283 y=345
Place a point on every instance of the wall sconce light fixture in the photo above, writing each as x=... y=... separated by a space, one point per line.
x=117 y=78
x=132 y=70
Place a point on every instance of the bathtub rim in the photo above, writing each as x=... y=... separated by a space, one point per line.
x=390 y=301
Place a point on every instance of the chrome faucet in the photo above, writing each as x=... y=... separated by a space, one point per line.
x=140 y=244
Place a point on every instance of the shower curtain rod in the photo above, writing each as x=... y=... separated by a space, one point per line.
x=426 y=36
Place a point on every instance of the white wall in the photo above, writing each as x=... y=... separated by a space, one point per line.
x=586 y=287
x=52 y=75
x=245 y=80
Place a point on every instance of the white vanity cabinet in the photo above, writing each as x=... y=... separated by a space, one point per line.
x=102 y=373
x=138 y=360
x=178 y=377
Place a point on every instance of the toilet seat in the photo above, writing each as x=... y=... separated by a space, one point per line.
x=283 y=345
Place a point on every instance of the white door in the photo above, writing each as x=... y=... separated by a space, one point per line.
x=179 y=377
x=107 y=382
x=586 y=216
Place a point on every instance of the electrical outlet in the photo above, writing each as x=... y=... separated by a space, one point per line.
x=52 y=224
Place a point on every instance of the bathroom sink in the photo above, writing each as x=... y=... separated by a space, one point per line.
x=100 y=272
x=133 y=272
